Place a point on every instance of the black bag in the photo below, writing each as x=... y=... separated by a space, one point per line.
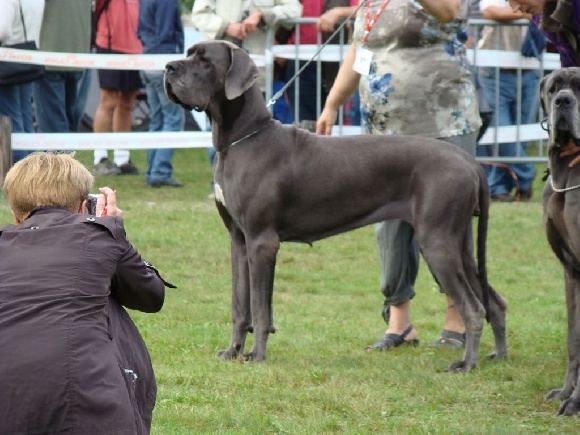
x=12 y=73
x=534 y=42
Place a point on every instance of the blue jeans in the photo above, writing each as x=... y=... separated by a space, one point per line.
x=56 y=101
x=16 y=103
x=164 y=116
x=500 y=179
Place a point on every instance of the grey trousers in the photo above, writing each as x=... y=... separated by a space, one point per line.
x=399 y=251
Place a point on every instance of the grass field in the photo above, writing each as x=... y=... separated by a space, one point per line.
x=318 y=378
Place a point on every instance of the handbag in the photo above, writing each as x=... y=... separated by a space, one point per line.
x=534 y=42
x=12 y=73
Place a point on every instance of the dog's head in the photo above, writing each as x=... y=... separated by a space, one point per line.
x=559 y=96
x=211 y=69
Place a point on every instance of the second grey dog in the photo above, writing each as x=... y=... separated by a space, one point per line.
x=277 y=183
x=560 y=99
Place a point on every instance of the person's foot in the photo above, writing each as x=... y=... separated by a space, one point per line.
x=128 y=169
x=390 y=340
x=169 y=183
x=451 y=339
x=105 y=168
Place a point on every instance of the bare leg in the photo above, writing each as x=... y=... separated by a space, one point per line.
x=400 y=321
x=453 y=320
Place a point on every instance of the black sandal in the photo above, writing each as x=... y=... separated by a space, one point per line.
x=451 y=339
x=390 y=340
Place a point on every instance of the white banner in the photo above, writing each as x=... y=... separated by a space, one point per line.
x=108 y=141
x=97 y=61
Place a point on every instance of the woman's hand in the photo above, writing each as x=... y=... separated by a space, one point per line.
x=533 y=7
x=107 y=203
x=326 y=120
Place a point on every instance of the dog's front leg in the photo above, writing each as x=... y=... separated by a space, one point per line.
x=570 y=392
x=241 y=315
x=262 y=252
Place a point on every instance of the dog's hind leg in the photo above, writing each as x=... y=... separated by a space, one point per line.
x=445 y=262
x=570 y=392
x=262 y=252
x=496 y=311
x=241 y=314
x=496 y=305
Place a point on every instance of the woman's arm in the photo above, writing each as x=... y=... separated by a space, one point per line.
x=503 y=13
x=346 y=83
x=136 y=285
x=443 y=11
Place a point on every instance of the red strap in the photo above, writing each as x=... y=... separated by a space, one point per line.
x=371 y=22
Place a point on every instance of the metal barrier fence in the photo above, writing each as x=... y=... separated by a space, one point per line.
x=496 y=58
x=495 y=135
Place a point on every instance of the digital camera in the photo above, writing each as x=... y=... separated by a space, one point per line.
x=92 y=203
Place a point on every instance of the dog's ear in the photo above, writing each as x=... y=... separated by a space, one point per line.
x=542 y=85
x=241 y=75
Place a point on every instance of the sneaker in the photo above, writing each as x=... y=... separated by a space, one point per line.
x=105 y=168
x=129 y=168
x=170 y=183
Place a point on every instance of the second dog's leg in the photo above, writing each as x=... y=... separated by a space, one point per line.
x=570 y=392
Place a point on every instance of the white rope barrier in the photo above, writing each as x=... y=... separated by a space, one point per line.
x=97 y=61
x=107 y=141
x=202 y=139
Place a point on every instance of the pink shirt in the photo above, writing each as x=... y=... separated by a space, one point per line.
x=119 y=21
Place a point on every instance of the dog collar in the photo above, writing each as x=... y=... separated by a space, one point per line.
x=565 y=189
x=237 y=141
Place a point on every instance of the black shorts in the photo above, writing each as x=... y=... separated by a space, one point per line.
x=116 y=79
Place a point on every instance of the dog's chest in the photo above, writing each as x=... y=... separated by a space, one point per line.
x=219 y=195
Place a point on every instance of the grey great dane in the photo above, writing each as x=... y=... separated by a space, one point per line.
x=276 y=183
x=560 y=98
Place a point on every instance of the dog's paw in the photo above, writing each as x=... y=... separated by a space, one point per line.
x=460 y=366
x=253 y=357
x=570 y=407
x=496 y=356
x=228 y=354
x=558 y=394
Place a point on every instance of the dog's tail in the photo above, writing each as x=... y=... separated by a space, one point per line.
x=483 y=212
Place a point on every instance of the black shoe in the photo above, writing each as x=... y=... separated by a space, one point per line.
x=169 y=183
x=129 y=169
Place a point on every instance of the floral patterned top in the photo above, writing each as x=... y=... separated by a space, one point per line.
x=418 y=81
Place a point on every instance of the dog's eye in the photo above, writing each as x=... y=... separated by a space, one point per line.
x=552 y=89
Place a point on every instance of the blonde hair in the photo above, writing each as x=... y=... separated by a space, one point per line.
x=47 y=179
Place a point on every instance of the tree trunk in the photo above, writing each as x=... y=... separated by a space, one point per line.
x=5 y=146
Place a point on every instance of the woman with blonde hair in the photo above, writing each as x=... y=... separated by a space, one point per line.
x=72 y=360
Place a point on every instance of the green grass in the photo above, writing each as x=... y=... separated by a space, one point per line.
x=318 y=378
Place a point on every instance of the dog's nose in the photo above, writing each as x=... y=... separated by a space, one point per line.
x=171 y=67
x=564 y=101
